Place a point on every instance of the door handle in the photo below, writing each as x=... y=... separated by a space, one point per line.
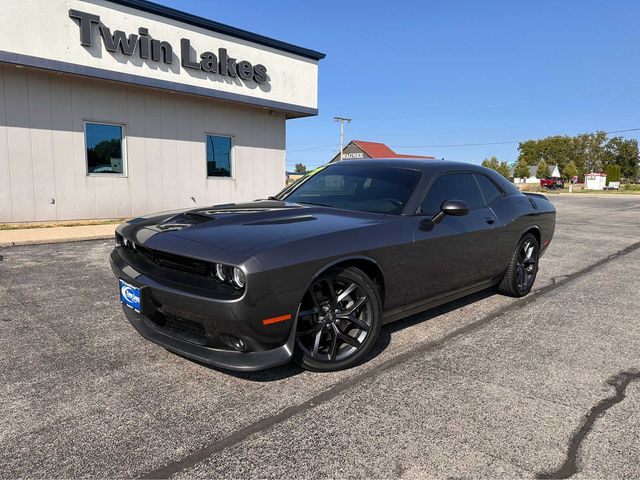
x=489 y=220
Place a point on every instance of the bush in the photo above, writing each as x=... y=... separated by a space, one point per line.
x=529 y=187
x=613 y=173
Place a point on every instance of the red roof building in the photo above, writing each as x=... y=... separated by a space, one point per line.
x=357 y=149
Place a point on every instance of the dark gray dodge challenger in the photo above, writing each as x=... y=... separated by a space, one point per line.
x=313 y=272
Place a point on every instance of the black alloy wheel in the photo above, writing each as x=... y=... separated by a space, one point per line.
x=523 y=268
x=338 y=321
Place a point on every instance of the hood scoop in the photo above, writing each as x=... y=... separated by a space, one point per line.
x=230 y=211
x=172 y=226
x=280 y=221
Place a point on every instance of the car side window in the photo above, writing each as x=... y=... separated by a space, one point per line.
x=452 y=186
x=489 y=190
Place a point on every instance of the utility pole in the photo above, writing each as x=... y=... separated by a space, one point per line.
x=342 y=120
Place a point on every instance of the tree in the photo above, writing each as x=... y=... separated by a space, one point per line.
x=501 y=167
x=491 y=163
x=543 y=170
x=570 y=170
x=504 y=170
x=623 y=153
x=556 y=150
x=613 y=173
x=589 y=152
x=300 y=168
x=521 y=170
x=590 y=146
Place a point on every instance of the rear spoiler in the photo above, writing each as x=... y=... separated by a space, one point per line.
x=538 y=195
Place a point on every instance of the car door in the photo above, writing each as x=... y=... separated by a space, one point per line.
x=456 y=252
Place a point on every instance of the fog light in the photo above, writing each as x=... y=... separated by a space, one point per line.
x=233 y=342
x=238 y=278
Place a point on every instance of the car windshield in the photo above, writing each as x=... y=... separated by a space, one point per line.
x=364 y=188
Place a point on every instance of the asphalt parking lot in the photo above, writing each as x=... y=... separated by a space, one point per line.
x=548 y=385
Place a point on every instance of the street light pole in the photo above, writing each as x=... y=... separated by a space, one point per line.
x=342 y=121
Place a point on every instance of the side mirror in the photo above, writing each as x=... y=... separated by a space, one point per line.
x=455 y=208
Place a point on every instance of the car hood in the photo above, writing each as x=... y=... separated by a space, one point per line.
x=245 y=228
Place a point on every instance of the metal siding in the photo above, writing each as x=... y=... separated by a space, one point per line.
x=19 y=144
x=153 y=143
x=104 y=185
x=85 y=185
x=137 y=152
x=6 y=195
x=168 y=125
x=183 y=152
x=42 y=149
x=41 y=146
x=63 y=148
x=197 y=155
x=118 y=98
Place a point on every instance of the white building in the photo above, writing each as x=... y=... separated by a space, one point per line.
x=533 y=175
x=123 y=107
x=531 y=179
x=595 y=181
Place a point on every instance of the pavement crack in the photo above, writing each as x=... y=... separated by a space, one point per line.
x=619 y=382
x=336 y=390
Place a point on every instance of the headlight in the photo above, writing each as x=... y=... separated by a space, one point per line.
x=233 y=276
x=222 y=272
x=238 y=279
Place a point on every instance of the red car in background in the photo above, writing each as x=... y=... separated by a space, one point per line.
x=551 y=183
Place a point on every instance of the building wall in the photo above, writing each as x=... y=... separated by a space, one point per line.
x=43 y=30
x=42 y=148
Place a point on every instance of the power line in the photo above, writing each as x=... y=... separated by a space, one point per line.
x=492 y=143
x=449 y=145
x=311 y=148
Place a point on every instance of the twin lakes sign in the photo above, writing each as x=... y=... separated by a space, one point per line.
x=146 y=47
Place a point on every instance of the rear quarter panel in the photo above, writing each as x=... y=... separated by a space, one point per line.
x=519 y=214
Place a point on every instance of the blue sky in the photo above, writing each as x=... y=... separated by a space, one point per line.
x=426 y=74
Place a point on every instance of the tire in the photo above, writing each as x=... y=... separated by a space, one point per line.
x=339 y=320
x=523 y=268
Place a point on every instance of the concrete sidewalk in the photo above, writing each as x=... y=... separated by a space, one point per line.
x=32 y=236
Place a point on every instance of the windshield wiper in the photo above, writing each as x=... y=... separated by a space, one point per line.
x=316 y=204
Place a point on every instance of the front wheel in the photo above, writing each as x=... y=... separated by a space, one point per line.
x=523 y=268
x=338 y=321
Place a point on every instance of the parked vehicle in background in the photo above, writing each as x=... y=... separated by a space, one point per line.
x=552 y=183
x=613 y=186
x=314 y=271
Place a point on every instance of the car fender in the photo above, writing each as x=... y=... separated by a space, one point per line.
x=339 y=260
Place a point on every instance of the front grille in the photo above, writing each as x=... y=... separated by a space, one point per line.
x=181 y=328
x=171 y=261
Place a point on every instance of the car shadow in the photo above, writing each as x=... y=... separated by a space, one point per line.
x=387 y=331
x=384 y=339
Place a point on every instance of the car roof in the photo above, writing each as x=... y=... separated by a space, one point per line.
x=424 y=165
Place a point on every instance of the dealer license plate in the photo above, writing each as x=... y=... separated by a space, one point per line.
x=130 y=295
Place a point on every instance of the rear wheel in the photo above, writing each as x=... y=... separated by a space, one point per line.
x=339 y=320
x=523 y=268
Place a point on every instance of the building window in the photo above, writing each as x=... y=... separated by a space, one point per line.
x=218 y=156
x=105 y=148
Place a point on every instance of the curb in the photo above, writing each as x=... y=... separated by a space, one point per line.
x=20 y=243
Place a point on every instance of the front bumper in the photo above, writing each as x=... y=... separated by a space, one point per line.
x=186 y=320
x=227 y=359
